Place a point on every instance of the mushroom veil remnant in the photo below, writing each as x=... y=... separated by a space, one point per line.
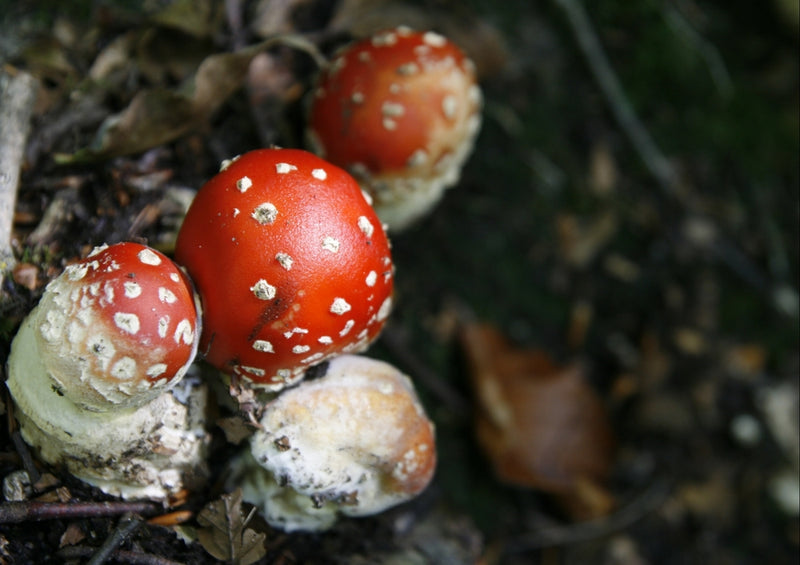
x=354 y=442
x=94 y=368
x=291 y=263
x=399 y=110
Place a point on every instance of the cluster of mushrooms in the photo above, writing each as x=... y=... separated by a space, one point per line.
x=282 y=276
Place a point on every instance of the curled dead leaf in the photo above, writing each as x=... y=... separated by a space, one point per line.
x=224 y=532
x=160 y=115
x=541 y=425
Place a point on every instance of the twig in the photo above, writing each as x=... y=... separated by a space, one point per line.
x=655 y=161
x=127 y=525
x=25 y=455
x=16 y=512
x=709 y=53
x=646 y=502
x=17 y=94
x=121 y=556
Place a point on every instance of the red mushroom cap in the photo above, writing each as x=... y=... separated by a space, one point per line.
x=118 y=327
x=399 y=110
x=291 y=263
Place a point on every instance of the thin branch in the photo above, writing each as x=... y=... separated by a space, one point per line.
x=120 y=556
x=16 y=512
x=648 y=501
x=127 y=525
x=17 y=95
x=709 y=53
x=25 y=455
x=655 y=161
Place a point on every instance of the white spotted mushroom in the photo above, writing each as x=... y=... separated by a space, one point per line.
x=96 y=367
x=354 y=441
x=292 y=266
x=399 y=110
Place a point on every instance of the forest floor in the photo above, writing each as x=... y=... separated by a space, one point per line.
x=629 y=215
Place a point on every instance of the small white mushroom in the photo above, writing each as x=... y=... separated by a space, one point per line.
x=354 y=441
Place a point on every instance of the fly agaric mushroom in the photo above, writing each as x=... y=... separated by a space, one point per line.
x=94 y=366
x=400 y=111
x=291 y=263
x=354 y=441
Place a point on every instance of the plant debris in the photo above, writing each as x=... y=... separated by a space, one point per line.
x=224 y=532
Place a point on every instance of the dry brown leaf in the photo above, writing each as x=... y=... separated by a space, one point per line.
x=542 y=425
x=224 y=532
x=73 y=535
x=158 y=115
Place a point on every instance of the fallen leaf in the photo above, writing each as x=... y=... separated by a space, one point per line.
x=158 y=115
x=73 y=535
x=153 y=117
x=542 y=425
x=224 y=533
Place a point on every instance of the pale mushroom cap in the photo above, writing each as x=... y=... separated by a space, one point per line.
x=115 y=329
x=355 y=441
x=401 y=112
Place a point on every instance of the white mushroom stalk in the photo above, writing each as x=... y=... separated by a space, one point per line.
x=96 y=373
x=352 y=442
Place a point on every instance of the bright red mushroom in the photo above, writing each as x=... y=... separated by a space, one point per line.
x=291 y=263
x=400 y=111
